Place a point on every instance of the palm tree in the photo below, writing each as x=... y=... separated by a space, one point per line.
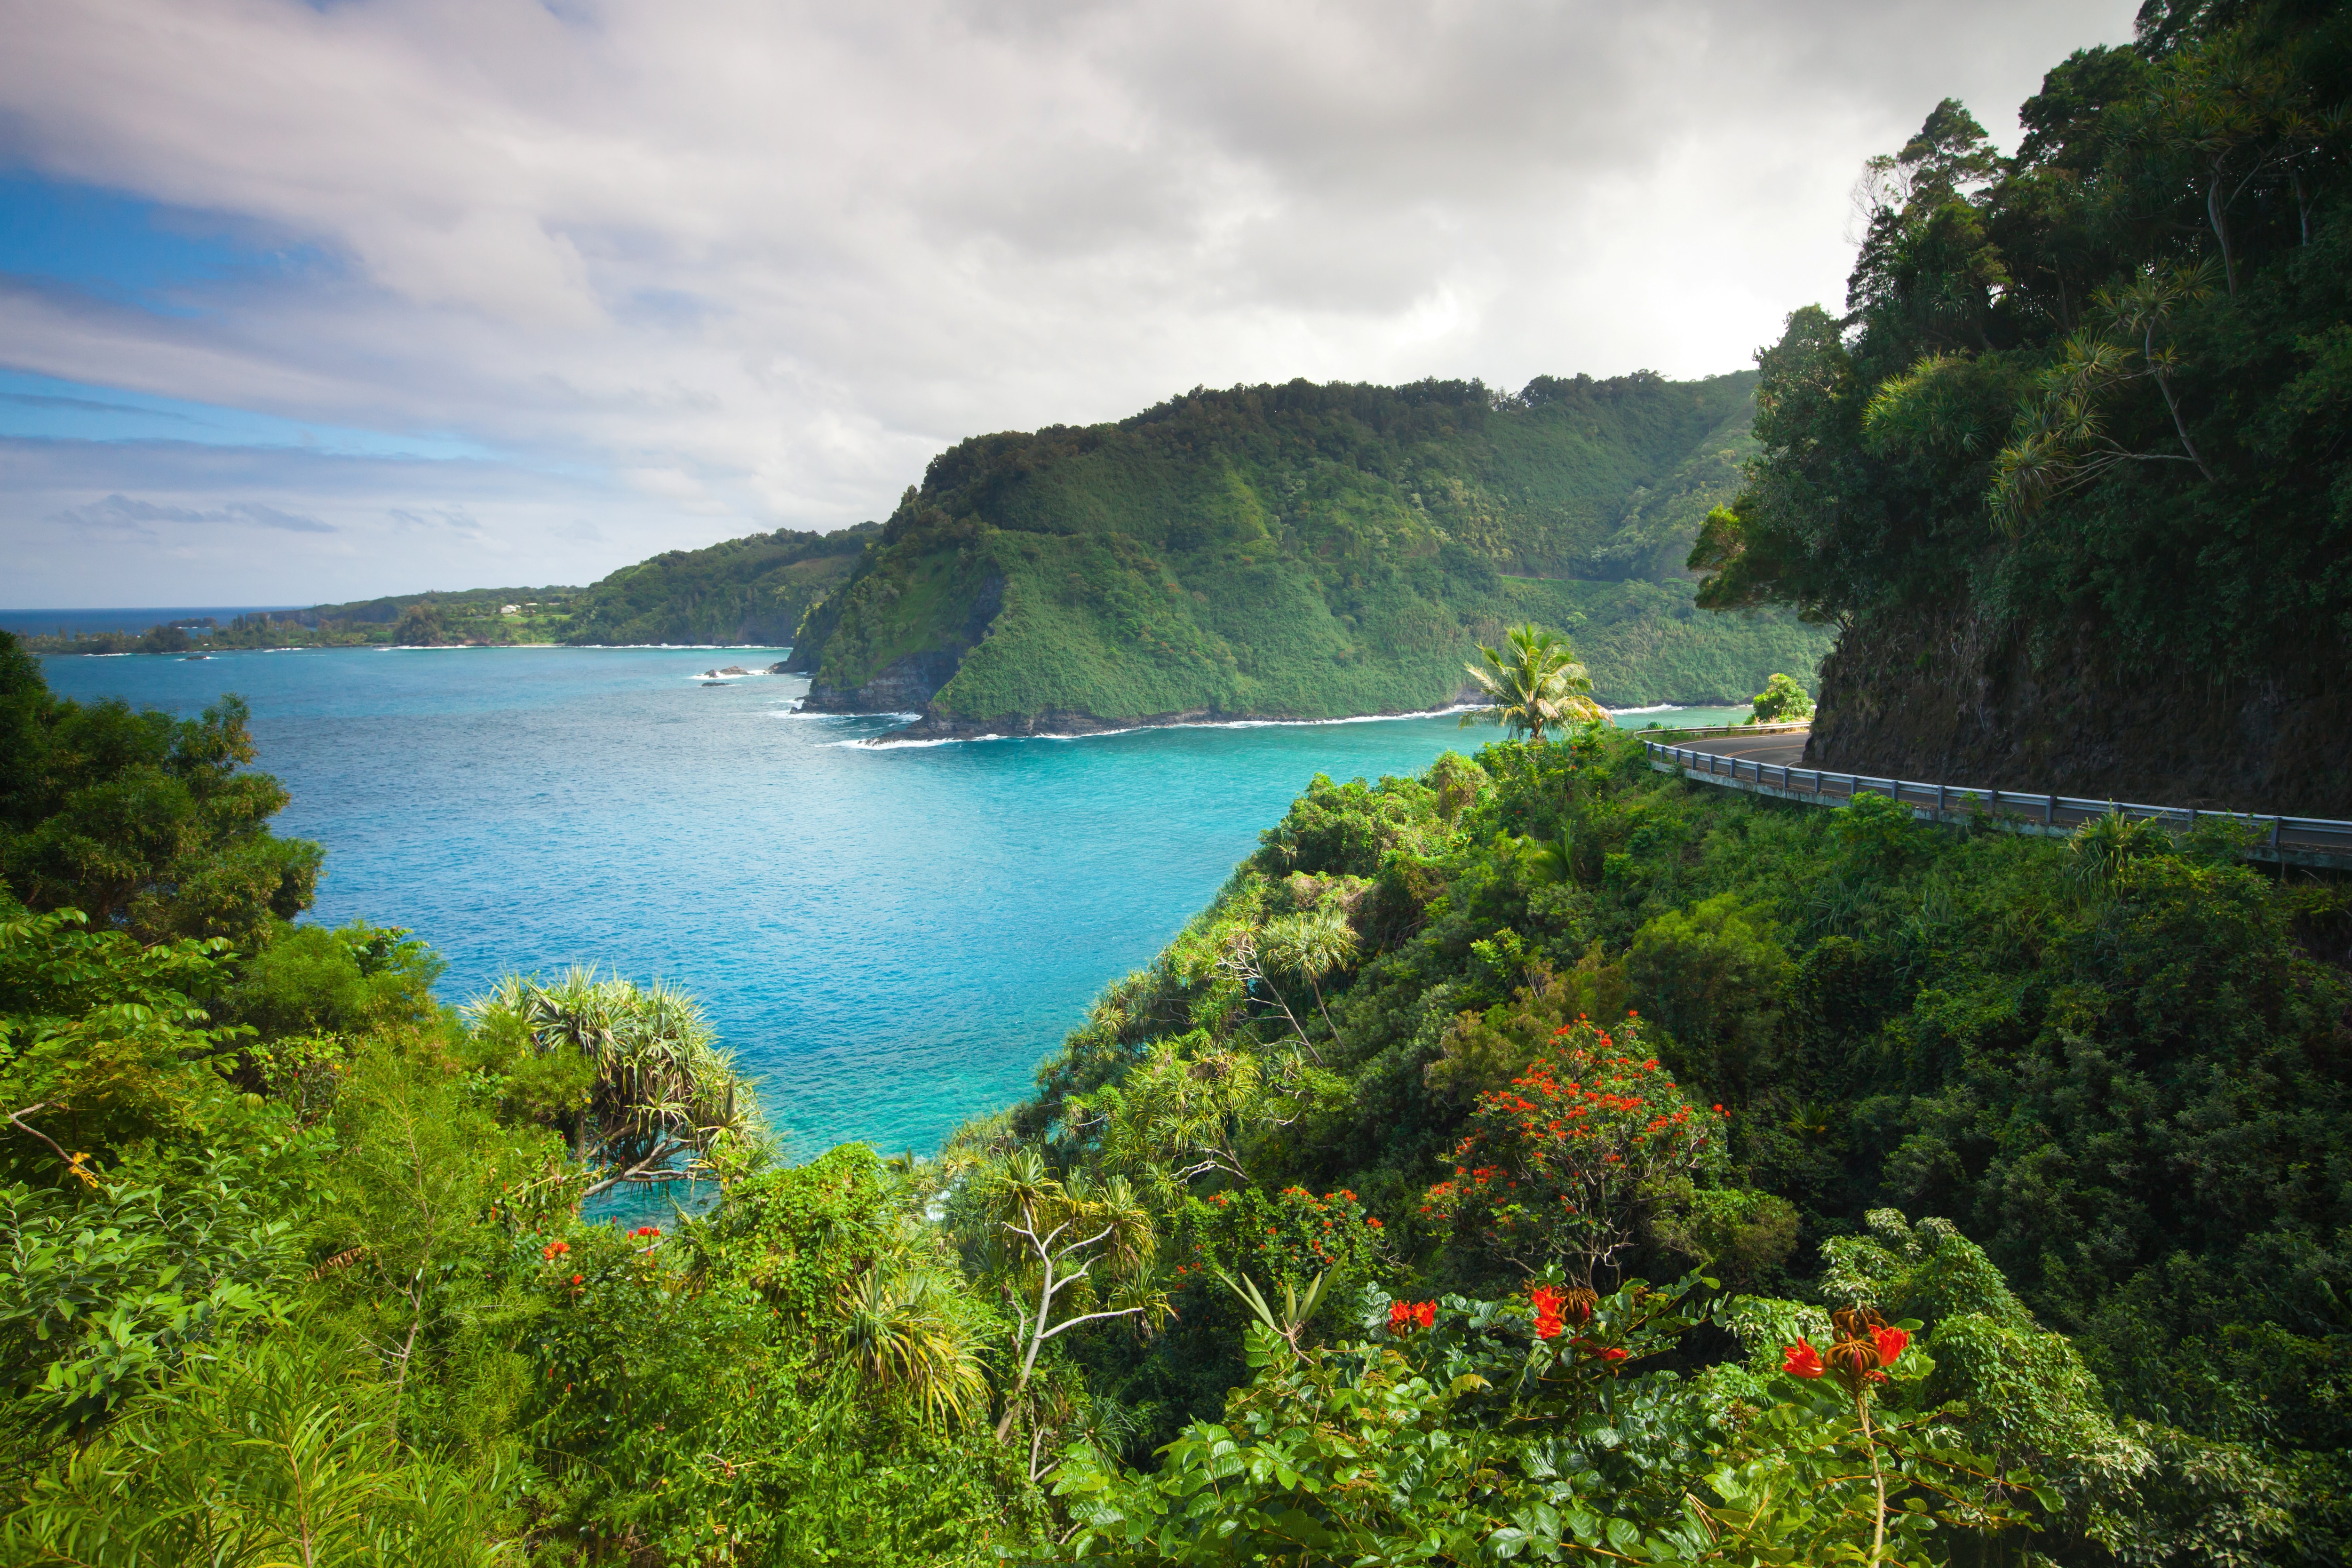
x=1536 y=685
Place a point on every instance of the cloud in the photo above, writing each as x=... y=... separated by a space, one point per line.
x=455 y=519
x=122 y=512
x=90 y=405
x=755 y=262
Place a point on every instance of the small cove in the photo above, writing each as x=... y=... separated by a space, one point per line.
x=889 y=938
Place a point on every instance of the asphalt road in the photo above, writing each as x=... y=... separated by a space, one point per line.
x=1783 y=748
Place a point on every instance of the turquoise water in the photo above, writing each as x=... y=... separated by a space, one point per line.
x=889 y=938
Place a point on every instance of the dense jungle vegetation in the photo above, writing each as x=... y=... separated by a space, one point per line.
x=1540 y=1160
x=1303 y=549
x=2085 y=417
x=1543 y=1159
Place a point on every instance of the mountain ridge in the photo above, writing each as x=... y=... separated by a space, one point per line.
x=1299 y=552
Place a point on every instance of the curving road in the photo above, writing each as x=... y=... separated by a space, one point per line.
x=1774 y=764
x=1783 y=748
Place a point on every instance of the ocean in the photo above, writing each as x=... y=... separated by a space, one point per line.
x=889 y=938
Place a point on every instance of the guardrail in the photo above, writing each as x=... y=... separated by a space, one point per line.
x=2294 y=840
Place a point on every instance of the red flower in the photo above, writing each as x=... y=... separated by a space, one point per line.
x=1400 y=1317
x=575 y=1279
x=554 y=1249
x=1547 y=1300
x=1803 y=1359
x=1611 y=1354
x=1891 y=1343
x=1425 y=1314
x=1372 y=1220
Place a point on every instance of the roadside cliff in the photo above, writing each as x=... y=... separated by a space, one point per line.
x=1950 y=699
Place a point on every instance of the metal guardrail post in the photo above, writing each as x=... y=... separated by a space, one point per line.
x=2050 y=812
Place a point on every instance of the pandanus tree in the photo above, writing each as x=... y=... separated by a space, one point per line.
x=1310 y=946
x=902 y=1327
x=654 y=1085
x=1182 y=1111
x=1534 y=683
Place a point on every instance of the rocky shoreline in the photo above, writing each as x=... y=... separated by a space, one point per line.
x=1062 y=723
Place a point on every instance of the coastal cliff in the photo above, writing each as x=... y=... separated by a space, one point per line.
x=1950 y=698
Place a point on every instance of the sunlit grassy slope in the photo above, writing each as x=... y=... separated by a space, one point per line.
x=1309 y=550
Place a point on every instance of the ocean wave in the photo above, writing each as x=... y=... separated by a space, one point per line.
x=884 y=741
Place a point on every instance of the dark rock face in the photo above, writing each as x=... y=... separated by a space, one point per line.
x=1947 y=698
x=908 y=684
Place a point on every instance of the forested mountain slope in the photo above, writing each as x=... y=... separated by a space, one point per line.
x=1541 y=1160
x=751 y=589
x=1300 y=551
x=2074 y=469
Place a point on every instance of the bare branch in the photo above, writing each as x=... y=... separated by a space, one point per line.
x=636 y=1171
x=73 y=1162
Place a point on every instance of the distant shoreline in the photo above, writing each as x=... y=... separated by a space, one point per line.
x=930 y=731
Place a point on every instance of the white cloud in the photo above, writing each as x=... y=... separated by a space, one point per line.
x=698 y=269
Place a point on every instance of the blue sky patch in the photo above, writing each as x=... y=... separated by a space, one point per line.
x=133 y=251
x=43 y=407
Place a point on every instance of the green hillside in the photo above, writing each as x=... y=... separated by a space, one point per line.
x=752 y=590
x=1302 y=550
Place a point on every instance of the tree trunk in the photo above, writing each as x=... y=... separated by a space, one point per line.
x=2221 y=230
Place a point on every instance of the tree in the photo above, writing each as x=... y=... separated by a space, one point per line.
x=1558 y=1168
x=651 y=1083
x=1044 y=1239
x=2061 y=441
x=1535 y=686
x=1477 y=1431
x=1181 y=1113
x=420 y=625
x=145 y=823
x=1782 y=701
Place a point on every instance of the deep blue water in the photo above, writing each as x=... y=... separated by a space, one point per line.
x=889 y=938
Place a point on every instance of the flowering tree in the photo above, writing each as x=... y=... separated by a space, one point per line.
x=1289 y=1240
x=1558 y=1166
x=1464 y=1431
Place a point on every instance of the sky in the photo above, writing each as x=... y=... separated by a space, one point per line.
x=306 y=302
